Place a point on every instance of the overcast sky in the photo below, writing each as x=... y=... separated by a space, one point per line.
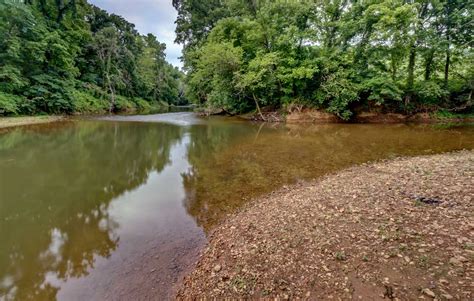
x=149 y=16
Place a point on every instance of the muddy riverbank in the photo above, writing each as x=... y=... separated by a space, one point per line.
x=316 y=116
x=399 y=229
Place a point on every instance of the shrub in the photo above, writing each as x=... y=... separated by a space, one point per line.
x=336 y=93
x=51 y=95
x=382 y=90
x=15 y=105
x=123 y=104
x=429 y=92
x=85 y=102
x=9 y=104
x=142 y=105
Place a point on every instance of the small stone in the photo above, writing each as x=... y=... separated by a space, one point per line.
x=429 y=292
x=454 y=261
x=217 y=268
x=458 y=260
x=463 y=259
x=443 y=281
x=447 y=296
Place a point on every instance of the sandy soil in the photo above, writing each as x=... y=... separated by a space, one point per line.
x=6 y=122
x=397 y=230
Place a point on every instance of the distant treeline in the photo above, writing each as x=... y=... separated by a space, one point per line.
x=65 y=56
x=339 y=55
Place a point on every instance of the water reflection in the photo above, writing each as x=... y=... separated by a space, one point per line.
x=96 y=210
x=235 y=163
x=56 y=188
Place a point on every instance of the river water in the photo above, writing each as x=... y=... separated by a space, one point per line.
x=118 y=208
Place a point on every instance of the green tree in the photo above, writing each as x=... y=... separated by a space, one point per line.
x=342 y=56
x=58 y=56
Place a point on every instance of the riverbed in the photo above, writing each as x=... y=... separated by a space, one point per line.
x=119 y=207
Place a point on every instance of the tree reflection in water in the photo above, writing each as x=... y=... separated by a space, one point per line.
x=56 y=184
x=232 y=163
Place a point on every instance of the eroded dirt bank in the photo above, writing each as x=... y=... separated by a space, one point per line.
x=400 y=229
x=308 y=115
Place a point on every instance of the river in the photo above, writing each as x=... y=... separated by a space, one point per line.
x=119 y=207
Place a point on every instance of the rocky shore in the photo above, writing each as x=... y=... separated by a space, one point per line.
x=399 y=230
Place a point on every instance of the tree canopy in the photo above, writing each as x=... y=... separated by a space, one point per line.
x=338 y=55
x=64 y=56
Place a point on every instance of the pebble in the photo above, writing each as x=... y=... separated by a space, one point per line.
x=447 y=296
x=415 y=240
x=217 y=268
x=429 y=292
x=457 y=260
x=443 y=281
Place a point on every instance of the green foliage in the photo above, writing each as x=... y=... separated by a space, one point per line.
x=336 y=55
x=382 y=90
x=340 y=255
x=124 y=104
x=51 y=50
x=336 y=93
x=443 y=114
x=214 y=82
x=85 y=102
x=50 y=94
x=9 y=104
x=429 y=92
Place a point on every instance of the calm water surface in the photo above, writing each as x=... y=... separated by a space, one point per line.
x=119 y=208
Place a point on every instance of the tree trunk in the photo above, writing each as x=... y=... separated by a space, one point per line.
x=411 y=75
x=446 y=67
x=112 y=94
x=428 y=63
x=258 y=107
x=448 y=12
x=411 y=68
x=393 y=66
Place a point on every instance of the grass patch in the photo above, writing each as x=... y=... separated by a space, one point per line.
x=341 y=256
x=444 y=114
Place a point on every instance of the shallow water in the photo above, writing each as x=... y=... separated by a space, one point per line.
x=118 y=208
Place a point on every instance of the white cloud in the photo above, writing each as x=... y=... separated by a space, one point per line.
x=149 y=16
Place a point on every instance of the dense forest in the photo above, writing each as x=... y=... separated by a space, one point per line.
x=343 y=56
x=66 y=56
